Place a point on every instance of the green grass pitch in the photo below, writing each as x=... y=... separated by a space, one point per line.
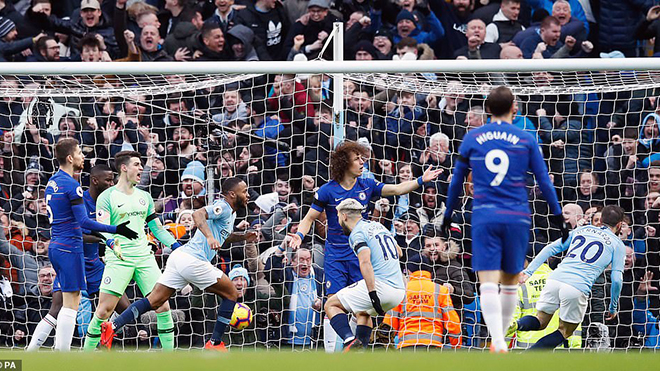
x=316 y=361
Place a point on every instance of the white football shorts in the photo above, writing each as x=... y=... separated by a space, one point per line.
x=355 y=298
x=571 y=302
x=183 y=269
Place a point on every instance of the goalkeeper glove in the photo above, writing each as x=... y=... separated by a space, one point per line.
x=563 y=227
x=375 y=302
x=122 y=229
x=114 y=246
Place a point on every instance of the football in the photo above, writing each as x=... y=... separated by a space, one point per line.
x=242 y=317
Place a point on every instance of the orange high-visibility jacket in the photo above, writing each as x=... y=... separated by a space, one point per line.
x=426 y=315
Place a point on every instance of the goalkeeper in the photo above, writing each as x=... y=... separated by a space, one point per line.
x=129 y=260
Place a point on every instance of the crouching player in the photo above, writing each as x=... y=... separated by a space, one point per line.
x=590 y=251
x=382 y=287
x=191 y=263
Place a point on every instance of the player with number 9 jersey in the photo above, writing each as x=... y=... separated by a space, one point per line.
x=500 y=156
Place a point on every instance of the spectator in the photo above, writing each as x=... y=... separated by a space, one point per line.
x=37 y=303
x=649 y=140
x=406 y=26
x=184 y=35
x=210 y=44
x=224 y=14
x=90 y=19
x=192 y=187
x=547 y=43
x=425 y=316
x=170 y=19
x=454 y=17
x=315 y=27
x=241 y=39
x=9 y=46
x=477 y=47
x=47 y=50
x=289 y=98
x=150 y=46
x=383 y=43
x=476 y=116
x=645 y=324
x=575 y=6
x=302 y=283
x=505 y=23
x=619 y=20
x=233 y=108
x=589 y=193
x=270 y=25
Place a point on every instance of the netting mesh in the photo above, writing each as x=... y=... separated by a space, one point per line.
x=598 y=132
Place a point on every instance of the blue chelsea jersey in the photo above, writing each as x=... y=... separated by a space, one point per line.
x=61 y=191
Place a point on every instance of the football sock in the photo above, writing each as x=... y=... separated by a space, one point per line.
x=529 y=323
x=491 y=308
x=550 y=341
x=329 y=336
x=224 y=316
x=165 y=326
x=41 y=333
x=65 y=327
x=509 y=300
x=363 y=333
x=93 y=335
x=132 y=313
x=340 y=323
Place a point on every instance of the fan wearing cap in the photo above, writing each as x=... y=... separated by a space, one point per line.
x=89 y=19
x=315 y=26
x=406 y=26
x=9 y=46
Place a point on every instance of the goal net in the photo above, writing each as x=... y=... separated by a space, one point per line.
x=598 y=130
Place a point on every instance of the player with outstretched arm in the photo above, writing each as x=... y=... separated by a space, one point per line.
x=68 y=217
x=341 y=265
x=382 y=287
x=101 y=178
x=590 y=251
x=500 y=156
x=191 y=263
x=129 y=260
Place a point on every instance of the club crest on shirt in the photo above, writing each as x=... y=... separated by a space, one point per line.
x=107 y=280
x=52 y=184
x=362 y=196
x=217 y=210
x=143 y=202
x=328 y=284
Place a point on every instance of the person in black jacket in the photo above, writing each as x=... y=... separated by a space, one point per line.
x=476 y=47
x=9 y=46
x=270 y=25
x=315 y=26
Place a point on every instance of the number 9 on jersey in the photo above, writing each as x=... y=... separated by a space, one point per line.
x=500 y=168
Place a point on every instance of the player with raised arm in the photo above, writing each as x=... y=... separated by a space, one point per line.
x=191 y=264
x=129 y=260
x=68 y=218
x=341 y=265
x=382 y=287
x=101 y=178
x=500 y=156
x=590 y=251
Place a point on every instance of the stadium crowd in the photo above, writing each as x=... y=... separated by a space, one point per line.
x=275 y=133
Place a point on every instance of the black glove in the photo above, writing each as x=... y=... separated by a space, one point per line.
x=559 y=221
x=375 y=302
x=122 y=229
x=446 y=227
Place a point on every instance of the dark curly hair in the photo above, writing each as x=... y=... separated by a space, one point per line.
x=340 y=158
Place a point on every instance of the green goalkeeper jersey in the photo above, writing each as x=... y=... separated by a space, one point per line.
x=115 y=207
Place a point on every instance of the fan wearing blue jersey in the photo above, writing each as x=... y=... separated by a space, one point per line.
x=191 y=264
x=101 y=178
x=68 y=217
x=590 y=251
x=500 y=156
x=341 y=265
x=382 y=287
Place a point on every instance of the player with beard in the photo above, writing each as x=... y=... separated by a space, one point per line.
x=191 y=264
x=68 y=217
